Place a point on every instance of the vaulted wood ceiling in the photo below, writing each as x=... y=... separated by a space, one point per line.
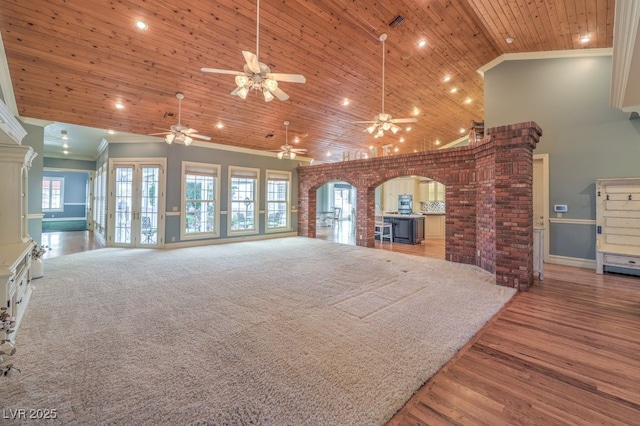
x=71 y=60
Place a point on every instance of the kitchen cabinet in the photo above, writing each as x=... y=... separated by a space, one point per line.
x=434 y=225
x=407 y=229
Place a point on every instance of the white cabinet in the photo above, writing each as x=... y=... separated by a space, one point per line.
x=617 y=223
x=15 y=244
x=434 y=225
x=395 y=187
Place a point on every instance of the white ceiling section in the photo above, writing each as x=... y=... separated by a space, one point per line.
x=625 y=85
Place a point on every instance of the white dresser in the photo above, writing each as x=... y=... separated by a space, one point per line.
x=15 y=243
x=617 y=223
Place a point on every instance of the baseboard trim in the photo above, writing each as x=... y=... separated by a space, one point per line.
x=184 y=244
x=572 y=261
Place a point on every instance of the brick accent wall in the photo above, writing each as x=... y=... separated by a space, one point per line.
x=489 y=198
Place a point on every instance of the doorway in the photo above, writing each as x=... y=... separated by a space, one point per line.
x=136 y=217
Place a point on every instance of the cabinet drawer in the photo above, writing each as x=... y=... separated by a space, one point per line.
x=626 y=261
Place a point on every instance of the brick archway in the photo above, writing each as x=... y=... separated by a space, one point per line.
x=489 y=209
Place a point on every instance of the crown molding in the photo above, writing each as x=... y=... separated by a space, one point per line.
x=553 y=54
x=625 y=90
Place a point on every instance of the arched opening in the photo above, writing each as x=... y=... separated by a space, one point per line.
x=401 y=198
x=336 y=212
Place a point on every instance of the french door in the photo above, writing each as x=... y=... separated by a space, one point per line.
x=136 y=199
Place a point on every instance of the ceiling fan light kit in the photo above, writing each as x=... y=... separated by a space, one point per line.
x=257 y=76
x=178 y=132
x=384 y=122
x=286 y=150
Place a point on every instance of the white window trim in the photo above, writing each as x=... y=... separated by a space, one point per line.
x=215 y=233
x=256 y=210
x=61 y=208
x=287 y=226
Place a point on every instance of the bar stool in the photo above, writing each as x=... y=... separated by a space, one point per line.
x=379 y=230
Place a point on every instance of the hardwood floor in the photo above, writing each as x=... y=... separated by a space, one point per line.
x=565 y=352
x=68 y=242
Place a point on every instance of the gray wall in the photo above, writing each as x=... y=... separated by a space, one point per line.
x=585 y=138
x=176 y=154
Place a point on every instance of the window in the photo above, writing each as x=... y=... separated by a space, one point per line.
x=100 y=204
x=52 y=194
x=243 y=185
x=278 y=200
x=200 y=211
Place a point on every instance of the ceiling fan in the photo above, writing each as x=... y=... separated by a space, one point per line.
x=257 y=76
x=286 y=150
x=178 y=132
x=383 y=122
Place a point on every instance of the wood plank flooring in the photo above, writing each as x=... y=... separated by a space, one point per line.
x=565 y=352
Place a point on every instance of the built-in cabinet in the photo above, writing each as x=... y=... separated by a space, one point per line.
x=434 y=226
x=617 y=223
x=15 y=243
x=422 y=189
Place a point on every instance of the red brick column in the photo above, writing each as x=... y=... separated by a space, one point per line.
x=514 y=147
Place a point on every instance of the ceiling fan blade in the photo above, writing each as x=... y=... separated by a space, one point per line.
x=217 y=71
x=404 y=120
x=206 y=138
x=160 y=134
x=252 y=61
x=279 y=93
x=300 y=150
x=288 y=78
x=364 y=122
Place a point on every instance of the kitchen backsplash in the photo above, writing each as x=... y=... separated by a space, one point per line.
x=432 y=207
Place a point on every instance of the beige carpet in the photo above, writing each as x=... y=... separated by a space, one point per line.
x=293 y=331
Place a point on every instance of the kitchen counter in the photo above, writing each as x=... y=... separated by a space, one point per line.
x=407 y=228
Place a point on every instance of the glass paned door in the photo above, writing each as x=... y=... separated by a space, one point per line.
x=137 y=205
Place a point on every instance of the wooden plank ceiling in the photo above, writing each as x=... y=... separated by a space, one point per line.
x=71 y=61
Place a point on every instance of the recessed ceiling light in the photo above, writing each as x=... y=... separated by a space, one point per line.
x=401 y=139
x=416 y=111
x=396 y=149
x=296 y=140
x=510 y=40
x=65 y=145
x=454 y=90
x=446 y=78
x=422 y=43
x=65 y=152
x=111 y=132
x=467 y=101
x=141 y=25
x=437 y=141
x=119 y=105
x=345 y=102
x=415 y=150
x=585 y=38
x=328 y=153
x=462 y=130
x=219 y=125
x=408 y=129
